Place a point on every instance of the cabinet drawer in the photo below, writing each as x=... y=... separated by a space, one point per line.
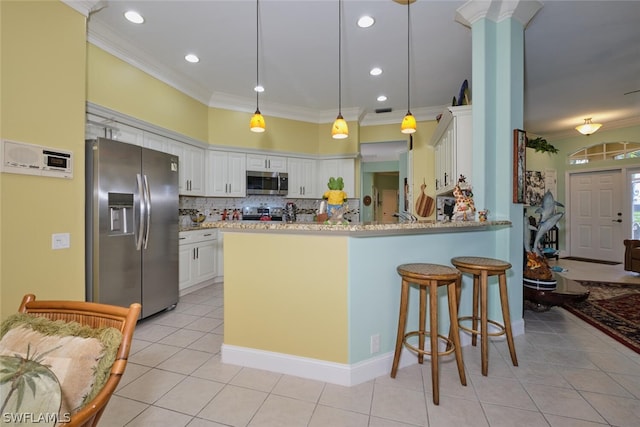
x=187 y=237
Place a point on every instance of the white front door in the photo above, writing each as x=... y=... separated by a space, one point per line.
x=596 y=220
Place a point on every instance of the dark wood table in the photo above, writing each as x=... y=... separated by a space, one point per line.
x=565 y=291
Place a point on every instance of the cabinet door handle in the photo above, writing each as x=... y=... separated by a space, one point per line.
x=208 y=234
x=181 y=238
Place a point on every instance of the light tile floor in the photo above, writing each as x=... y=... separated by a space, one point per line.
x=569 y=374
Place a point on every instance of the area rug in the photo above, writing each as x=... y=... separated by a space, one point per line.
x=613 y=308
x=597 y=261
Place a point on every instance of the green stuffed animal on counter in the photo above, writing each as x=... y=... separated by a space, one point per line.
x=335 y=195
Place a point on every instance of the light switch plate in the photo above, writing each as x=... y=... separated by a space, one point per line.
x=60 y=241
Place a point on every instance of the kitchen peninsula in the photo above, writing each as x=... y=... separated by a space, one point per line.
x=321 y=301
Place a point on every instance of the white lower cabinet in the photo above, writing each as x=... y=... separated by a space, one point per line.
x=197 y=257
x=220 y=257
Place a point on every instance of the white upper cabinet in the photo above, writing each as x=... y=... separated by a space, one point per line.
x=335 y=168
x=453 y=144
x=191 y=168
x=226 y=174
x=302 y=178
x=98 y=127
x=128 y=134
x=155 y=142
x=265 y=163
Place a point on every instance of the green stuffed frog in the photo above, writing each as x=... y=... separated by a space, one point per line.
x=334 y=195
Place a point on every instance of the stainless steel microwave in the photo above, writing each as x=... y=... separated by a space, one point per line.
x=270 y=183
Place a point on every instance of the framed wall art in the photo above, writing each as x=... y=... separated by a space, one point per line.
x=519 y=165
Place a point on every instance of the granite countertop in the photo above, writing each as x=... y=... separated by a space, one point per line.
x=353 y=229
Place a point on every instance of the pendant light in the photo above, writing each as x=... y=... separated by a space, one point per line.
x=340 y=130
x=409 y=122
x=257 y=123
x=588 y=128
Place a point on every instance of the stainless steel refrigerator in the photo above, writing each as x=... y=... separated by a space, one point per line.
x=131 y=226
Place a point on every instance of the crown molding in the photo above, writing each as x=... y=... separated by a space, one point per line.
x=104 y=38
x=85 y=7
x=107 y=40
x=497 y=10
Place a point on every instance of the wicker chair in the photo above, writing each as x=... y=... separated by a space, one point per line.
x=96 y=316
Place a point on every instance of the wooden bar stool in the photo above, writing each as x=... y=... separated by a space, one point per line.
x=481 y=268
x=429 y=276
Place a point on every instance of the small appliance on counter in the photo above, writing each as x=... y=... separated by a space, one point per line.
x=290 y=211
x=261 y=213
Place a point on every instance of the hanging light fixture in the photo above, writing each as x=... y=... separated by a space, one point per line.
x=257 y=123
x=339 y=130
x=409 y=122
x=588 y=128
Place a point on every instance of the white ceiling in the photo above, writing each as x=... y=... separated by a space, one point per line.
x=581 y=57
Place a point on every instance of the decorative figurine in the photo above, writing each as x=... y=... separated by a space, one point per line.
x=334 y=195
x=537 y=273
x=465 y=209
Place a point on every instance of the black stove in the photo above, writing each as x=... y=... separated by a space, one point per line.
x=261 y=213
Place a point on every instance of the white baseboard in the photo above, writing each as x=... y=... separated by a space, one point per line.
x=330 y=372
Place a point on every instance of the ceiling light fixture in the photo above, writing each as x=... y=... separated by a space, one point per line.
x=382 y=98
x=339 y=130
x=376 y=71
x=588 y=128
x=257 y=123
x=409 y=122
x=193 y=58
x=366 y=21
x=133 y=16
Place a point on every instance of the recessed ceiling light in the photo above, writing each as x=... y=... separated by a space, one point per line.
x=366 y=21
x=259 y=88
x=375 y=71
x=134 y=17
x=382 y=98
x=192 y=58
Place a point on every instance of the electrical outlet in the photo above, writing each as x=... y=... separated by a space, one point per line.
x=375 y=343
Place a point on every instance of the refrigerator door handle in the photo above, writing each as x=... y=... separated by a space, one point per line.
x=139 y=233
x=147 y=200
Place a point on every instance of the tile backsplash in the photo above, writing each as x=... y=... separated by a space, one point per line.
x=214 y=206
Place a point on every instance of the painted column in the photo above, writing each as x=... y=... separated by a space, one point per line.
x=497 y=29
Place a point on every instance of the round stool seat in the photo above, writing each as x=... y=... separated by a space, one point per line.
x=480 y=263
x=426 y=271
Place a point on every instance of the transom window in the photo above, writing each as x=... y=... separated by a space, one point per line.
x=605 y=151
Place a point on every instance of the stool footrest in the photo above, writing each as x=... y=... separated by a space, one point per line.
x=450 y=345
x=500 y=326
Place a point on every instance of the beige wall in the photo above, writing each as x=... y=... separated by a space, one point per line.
x=114 y=84
x=43 y=102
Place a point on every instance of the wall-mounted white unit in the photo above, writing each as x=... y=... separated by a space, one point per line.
x=31 y=159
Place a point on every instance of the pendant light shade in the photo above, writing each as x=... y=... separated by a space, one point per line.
x=588 y=128
x=257 y=123
x=409 y=122
x=339 y=130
